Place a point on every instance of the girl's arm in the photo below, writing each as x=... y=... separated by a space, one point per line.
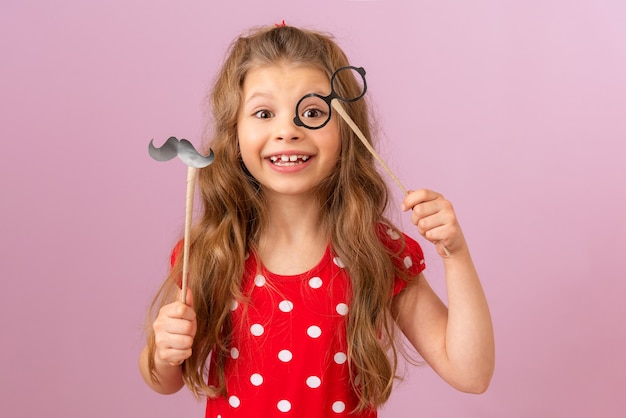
x=170 y=377
x=457 y=341
x=174 y=330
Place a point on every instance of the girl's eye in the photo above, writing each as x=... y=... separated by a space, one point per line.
x=263 y=114
x=313 y=113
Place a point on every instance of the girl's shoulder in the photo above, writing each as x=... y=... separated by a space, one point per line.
x=406 y=252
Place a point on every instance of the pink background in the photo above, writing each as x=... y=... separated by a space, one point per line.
x=514 y=110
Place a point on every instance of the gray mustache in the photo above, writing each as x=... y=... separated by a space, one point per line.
x=182 y=149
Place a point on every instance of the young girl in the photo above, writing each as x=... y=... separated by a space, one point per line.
x=297 y=280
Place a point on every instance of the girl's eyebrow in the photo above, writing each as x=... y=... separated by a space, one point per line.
x=261 y=94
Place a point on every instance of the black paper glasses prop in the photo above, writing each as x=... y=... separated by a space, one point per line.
x=184 y=150
x=314 y=111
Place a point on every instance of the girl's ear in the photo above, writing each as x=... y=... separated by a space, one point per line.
x=242 y=164
x=238 y=147
x=240 y=158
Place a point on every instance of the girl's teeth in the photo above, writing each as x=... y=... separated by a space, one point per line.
x=288 y=158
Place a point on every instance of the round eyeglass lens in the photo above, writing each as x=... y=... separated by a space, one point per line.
x=348 y=84
x=313 y=111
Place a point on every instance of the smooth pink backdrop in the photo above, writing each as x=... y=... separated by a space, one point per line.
x=516 y=111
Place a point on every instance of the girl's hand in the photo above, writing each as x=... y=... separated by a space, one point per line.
x=435 y=220
x=174 y=331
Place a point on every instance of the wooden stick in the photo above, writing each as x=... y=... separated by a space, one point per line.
x=342 y=112
x=191 y=184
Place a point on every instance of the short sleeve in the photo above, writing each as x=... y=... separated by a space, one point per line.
x=413 y=260
x=410 y=255
x=176 y=252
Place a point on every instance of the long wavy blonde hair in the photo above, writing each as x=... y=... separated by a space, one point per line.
x=353 y=199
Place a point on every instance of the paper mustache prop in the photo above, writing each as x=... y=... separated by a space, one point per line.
x=184 y=150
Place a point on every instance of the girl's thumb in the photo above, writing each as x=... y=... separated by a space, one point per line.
x=188 y=297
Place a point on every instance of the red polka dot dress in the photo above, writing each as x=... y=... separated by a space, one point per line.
x=288 y=354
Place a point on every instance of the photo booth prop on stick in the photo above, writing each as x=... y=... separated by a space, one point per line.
x=314 y=111
x=184 y=150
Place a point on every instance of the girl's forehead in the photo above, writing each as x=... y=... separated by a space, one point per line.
x=285 y=77
x=285 y=73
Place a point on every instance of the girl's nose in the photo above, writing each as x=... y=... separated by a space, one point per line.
x=286 y=129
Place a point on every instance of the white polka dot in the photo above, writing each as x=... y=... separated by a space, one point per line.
x=342 y=309
x=234 y=401
x=259 y=280
x=285 y=356
x=315 y=282
x=314 y=331
x=285 y=306
x=256 y=379
x=234 y=305
x=408 y=262
x=340 y=357
x=284 y=406
x=357 y=380
x=422 y=261
x=313 y=382
x=339 y=407
x=338 y=262
x=234 y=353
x=257 y=330
x=393 y=234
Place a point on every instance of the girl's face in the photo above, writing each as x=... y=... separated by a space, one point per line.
x=284 y=158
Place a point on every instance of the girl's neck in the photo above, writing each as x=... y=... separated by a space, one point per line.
x=294 y=240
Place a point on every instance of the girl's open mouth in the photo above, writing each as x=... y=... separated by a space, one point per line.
x=288 y=160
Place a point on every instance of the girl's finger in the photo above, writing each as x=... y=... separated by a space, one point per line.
x=439 y=233
x=418 y=197
x=182 y=327
x=179 y=342
x=425 y=210
x=428 y=223
x=412 y=198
